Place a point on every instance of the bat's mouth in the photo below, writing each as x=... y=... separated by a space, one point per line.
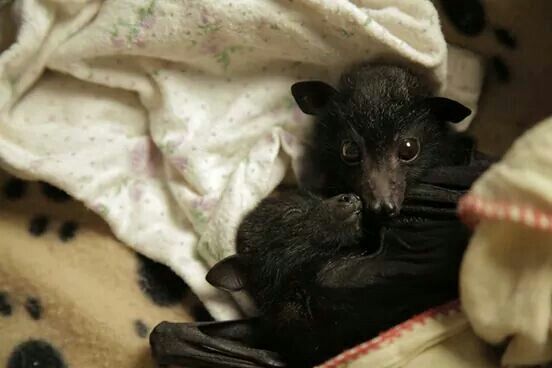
x=345 y=208
x=355 y=216
x=355 y=220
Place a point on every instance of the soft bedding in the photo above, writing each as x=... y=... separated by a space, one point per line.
x=171 y=119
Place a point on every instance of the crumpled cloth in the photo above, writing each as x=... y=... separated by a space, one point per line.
x=439 y=337
x=171 y=119
x=506 y=276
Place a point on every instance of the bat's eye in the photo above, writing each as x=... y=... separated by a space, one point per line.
x=409 y=148
x=350 y=152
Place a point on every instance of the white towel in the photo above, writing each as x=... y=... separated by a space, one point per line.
x=506 y=275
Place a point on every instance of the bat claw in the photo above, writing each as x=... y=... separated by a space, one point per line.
x=210 y=344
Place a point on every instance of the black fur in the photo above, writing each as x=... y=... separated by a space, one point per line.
x=286 y=233
x=323 y=280
x=318 y=290
x=376 y=106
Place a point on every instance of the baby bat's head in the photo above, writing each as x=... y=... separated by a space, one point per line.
x=285 y=231
x=378 y=132
x=300 y=219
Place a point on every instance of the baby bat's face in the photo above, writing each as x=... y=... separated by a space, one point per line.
x=376 y=153
x=300 y=219
x=377 y=133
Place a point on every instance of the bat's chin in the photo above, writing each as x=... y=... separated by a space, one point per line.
x=354 y=217
x=355 y=220
x=354 y=224
x=348 y=231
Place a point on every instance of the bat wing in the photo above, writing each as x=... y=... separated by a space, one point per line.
x=425 y=242
x=224 y=344
x=437 y=193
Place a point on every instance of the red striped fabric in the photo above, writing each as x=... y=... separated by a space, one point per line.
x=389 y=336
x=472 y=209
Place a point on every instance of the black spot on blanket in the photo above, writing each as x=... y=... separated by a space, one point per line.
x=14 y=188
x=38 y=225
x=53 y=193
x=505 y=38
x=67 y=230
x=467 y=16
x=5 y=306
x=34 y=308
x=35 y=354
x=501 y=69
x=160 y=283
x=141 y=328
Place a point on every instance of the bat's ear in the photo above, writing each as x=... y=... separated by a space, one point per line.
x=227 y=274
x=447 y=110
x=312 y=96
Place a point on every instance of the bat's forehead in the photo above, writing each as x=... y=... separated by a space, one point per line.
x=276 y=207
x=368 y=111
x=377 y=125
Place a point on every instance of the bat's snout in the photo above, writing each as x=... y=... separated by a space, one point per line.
x=346 y=206
x=383 y=192
x=386 y=207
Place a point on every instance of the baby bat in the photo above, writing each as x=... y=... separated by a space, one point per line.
x=377 y=133
x=317 y=287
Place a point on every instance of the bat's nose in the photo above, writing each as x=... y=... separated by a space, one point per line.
x=386 y=208
x=350 y=200
x=390 y=209
x=345 y=205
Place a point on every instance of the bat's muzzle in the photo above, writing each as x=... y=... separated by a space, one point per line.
x=346 y=207
x=387 y=208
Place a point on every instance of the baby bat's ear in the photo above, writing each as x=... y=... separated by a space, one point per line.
x=448 y=110
x=227 y=274
x=312 y=96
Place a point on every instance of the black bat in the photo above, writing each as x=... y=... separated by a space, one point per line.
x=377 y=133
x=319 y=289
